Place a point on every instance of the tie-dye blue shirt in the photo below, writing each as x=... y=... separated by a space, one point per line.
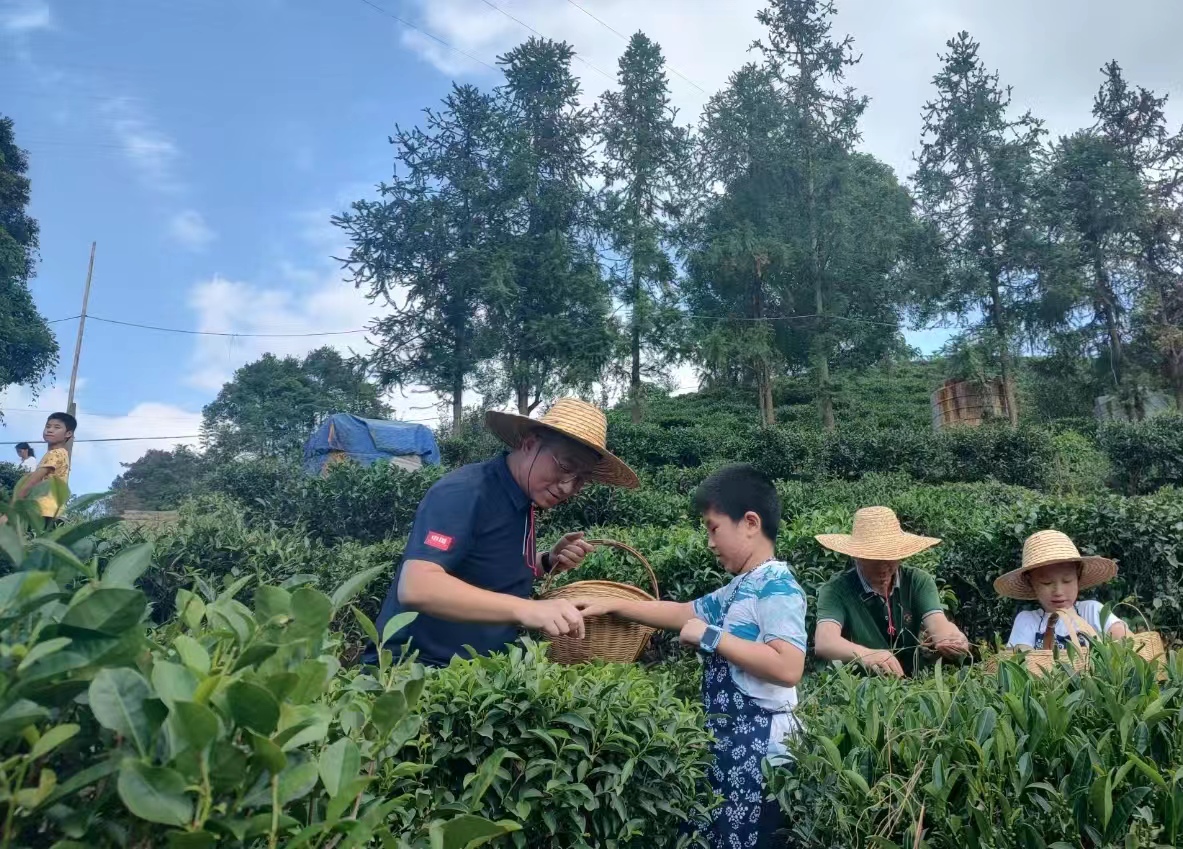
x=763 y=605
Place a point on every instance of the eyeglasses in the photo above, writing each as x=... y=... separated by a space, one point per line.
x=578 y=477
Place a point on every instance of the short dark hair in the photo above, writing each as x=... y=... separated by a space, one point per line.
x=24 y=446
x=737 y=490
x=69 y=421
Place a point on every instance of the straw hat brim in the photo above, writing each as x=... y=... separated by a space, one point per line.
x=1094 y=572
x=895 y=547
x=512 y=428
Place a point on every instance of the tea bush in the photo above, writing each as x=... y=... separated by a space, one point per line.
x=229 y=724
x=979 y=760
x=1145 y=455
x=581 y=757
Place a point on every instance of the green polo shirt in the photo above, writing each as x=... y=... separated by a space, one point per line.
x=863 y=614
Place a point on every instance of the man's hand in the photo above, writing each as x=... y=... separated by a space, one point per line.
x=881 y=663
x=596 y=606
x=954 y=646
x=569 y=552
x=692 y=632
x=555 y=618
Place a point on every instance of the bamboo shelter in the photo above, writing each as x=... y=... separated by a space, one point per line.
x=968 y=402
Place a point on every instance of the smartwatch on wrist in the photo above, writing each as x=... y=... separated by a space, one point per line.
x=710 y=639
x=545 y=562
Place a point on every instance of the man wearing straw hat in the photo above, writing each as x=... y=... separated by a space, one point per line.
x=875 y=612
x=471 y=561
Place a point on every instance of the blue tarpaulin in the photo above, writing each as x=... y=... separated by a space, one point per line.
x=367 y=440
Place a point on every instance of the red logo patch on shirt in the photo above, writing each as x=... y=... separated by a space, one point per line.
x=437 y=540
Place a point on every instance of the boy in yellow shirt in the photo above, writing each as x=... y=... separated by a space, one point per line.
x=59 y=430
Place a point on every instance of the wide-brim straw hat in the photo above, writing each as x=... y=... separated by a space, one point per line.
x=877 y=535
x=576 y=420
x=1044 y=548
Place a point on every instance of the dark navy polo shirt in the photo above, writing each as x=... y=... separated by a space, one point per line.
x=473 y=522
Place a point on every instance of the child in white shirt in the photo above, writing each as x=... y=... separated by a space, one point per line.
x=1054 y=573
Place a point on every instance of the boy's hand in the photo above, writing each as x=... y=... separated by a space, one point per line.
x=692 y=632
x=595 y=606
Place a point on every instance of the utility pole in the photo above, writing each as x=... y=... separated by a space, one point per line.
x=71 y=408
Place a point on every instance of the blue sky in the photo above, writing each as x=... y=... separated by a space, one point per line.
x=204 y=145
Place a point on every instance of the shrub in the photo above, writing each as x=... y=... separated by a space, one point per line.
x=1078 y=467
x=10 y=475
x=590 y=756
x=368 y=505
x=1145 y=455
x=228 y=724
x=991 y=760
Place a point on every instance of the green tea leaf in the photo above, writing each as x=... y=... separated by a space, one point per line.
x=193 y=723
x=467 y=832
x=127 y=566
x=271 y=602
x=43 y=650
x=253 y=707
x=312 y=607
x=10 y=545
x=173 y=682
x=117 y=699
x=366 y=624
x=353 y=585
x=153 y=793
x=297 y=781
x=339 y=765
x=20 y=715
x=53 y=738
x=396 y=624
x=192 y=653
x=108 y=610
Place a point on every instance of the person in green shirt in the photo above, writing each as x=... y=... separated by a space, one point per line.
x=880 y=613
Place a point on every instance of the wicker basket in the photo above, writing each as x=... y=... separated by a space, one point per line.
x=1039 y=661
x=607 y=637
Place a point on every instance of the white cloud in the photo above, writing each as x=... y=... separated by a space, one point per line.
x=96 y=464
x=189 y=229
x=25 y=16
x=150 y=151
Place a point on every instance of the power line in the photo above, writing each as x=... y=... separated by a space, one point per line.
x=435 y=38
x=625 y=38
x=110 y=439
x=181 y=330
x=522 y=23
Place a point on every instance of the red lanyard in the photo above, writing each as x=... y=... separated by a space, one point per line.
x=890 y=622
x=530 y=546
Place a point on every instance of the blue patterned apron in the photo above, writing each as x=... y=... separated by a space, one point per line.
x=741 y=728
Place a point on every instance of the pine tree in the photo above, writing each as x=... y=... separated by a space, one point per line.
x=28 y=349
x=646 y=167
x=429 y=248
x=975 y=182
x=549 y=303
x=810 y=66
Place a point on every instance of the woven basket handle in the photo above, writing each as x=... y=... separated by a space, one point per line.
x=1075 y=624
x=611 y=543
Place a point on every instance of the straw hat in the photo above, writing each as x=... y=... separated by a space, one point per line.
x=1043 y=548
x=877 y=536
x=578 y=421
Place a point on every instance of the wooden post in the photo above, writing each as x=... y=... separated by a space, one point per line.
x=71 y=408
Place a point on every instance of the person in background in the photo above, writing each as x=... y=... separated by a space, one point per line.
x=1054 y=574
x=752 y=632
x=471 y=560
x=28 y=461
x=875 y=613
x=55 y=465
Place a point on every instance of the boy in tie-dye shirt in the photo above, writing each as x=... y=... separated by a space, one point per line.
x=752 y=633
